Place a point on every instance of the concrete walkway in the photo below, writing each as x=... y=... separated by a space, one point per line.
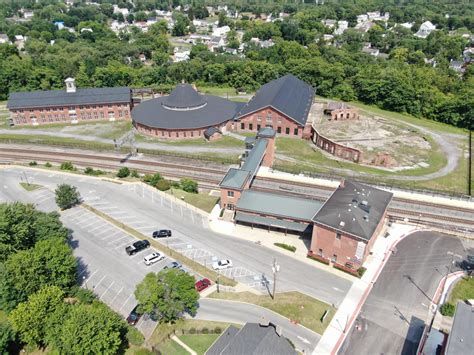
x=347 y=312
x=234 y=135
x=187 y=348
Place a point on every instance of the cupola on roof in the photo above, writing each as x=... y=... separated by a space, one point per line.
x=184 y=97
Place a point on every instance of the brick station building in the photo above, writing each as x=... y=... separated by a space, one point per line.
x=71 y=105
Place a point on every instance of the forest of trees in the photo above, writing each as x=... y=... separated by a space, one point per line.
x=402 y=82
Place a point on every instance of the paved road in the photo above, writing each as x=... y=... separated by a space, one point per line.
x=392 y=319
x=147 y=212
x=236 y=312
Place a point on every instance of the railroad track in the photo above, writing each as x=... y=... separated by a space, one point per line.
x=210 y=178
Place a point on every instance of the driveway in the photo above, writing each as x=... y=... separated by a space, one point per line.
x=392 y=319
x=237 y=312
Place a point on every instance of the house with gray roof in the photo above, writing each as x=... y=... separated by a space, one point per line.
x=461 y=339
x=252 y=339
x=282 y=104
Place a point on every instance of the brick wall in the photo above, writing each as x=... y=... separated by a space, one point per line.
x=269 y=153
x=229 y=197
x=174 y=133
x=334 y=148
x=345 y=114
x=70 y=114
x=283 y=125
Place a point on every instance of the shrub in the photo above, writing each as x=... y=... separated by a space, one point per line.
x=205 y=330
x=447 y=309
x=123 y=172
x=347 y=270
x=90 y=171
x=163 y=185
x=32 y=163
x=361 y=271
x=217 y=330
x=189 y=185
x=134 y=174
x=134 y=336
x=83 y=295
x=175 y=184
x=152 y=179
x=48 y=164
x=318 y=258
x=192 y=330
x=67 y=165
x=66 y=196
x=286 y=246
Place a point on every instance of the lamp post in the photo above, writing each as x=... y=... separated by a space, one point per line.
x=217 y=282
x=85 y=282
x=275 y=270
x=448 y=271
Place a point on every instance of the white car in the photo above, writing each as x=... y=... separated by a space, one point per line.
x=153 y=258
x=222 y=264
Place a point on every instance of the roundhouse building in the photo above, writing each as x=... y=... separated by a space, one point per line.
x=183 y=114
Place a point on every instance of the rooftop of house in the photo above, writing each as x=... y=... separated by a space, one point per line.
x=287 y=94
x=460 y=340
x=354 y=208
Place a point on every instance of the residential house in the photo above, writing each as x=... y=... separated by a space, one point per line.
x=20 y=41
x=119 y=10
x=220 y=31
x=425 y=29
x=329 y=23
x=4 y=39
x=342 y=26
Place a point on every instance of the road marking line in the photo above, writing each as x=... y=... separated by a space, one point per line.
x=117 y=240
x=126 y=301
x=123 y=244
x=97 y=285
x=91 y=275
x=108 y=288
x=118 y=293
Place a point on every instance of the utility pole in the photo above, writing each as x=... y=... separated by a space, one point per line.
x=217 y=282
x=448 y=270
x=469 y=165
x=275 y=270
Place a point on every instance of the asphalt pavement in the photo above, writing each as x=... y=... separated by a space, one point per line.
x=393 y=316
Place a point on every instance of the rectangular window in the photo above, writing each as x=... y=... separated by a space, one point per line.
x=259 y=118
x=338 y=236
x=279 y=130
x=250 y=126
x=101 y=114
x=269 y=116
x=242 y=125
x=230 y=206
x=185 y=134
x=279 y=119
x=192 y=133
x=287 y=131
x=258 y=127
x=334 y=258
x=120 y=113
x=320 y=252
x=230 y=193
x=296 y=131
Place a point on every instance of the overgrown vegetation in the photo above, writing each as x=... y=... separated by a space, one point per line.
x=286 y=246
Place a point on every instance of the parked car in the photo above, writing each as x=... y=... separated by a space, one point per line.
x=153 y=258
x=134 y=316
x=162 y=233
x=467 y=264
x=222 y=264
x=173 y=265
x=202 y=284
x=137 y=246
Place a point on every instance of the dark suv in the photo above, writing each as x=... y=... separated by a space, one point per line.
x=137 y=246
x=162 y=233
x=134 y=316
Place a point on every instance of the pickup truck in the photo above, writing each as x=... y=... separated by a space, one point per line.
x=137 y=246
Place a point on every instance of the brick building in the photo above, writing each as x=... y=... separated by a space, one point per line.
x=347 y=225
x=341 y=111
x=282 y=104
x=69 y=106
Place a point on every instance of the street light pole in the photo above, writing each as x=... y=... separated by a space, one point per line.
x=217 y=283
x=85 y=282
x=275 y=270
x=448 y=271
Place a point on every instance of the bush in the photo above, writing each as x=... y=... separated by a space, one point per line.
x=152 y=179
x=217 y=330
x=134 y=174
x=347 y=270
x=175 y=185
x=189 y=185
x=66 y=196
x=163 y=185
x=361 y=271
x=317 y=258
x=286 y=246
x=83 y=295
x=134 y=336
x=123 y=172
x=48 y=164
x=205 y=330
x=90 y=171
x=32 y=163
x=67 y=165
x=447 y=309
x=192 y=330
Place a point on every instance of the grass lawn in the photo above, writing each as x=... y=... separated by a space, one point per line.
x=218 y=91
x=172 y=347
x=294 y=305
x=201 y=201
x=199 y=342
x=463 y=290
x=30 y=187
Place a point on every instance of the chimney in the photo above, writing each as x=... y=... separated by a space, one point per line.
x=70 y=85
x=343 y=183
x=264 y=322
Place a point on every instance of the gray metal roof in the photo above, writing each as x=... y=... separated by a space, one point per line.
x=224 y=339
x=154 y=113
x=266 y=132
x=288 y=94
x=210 y=131
x=278 y=205
x=235 y=179
x=271 y=222
x=254 y=339
x=355 y=209
x=461 y=338
x=184 y=96
x=52 y=98
x=254 y=159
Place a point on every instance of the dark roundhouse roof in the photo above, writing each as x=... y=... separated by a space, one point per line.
x=184 y=108
x=288 y=94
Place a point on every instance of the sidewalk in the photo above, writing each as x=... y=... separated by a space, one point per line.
x=347 y=312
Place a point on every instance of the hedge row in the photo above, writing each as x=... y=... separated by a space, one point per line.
x=318 y=258
x=286 y=246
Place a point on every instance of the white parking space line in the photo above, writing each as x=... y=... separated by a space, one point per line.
x=91 y=275
x=130 y=241
x=116 y=295
x=127 y=300
x=96 y=228
x=102 y=279
x=115 y=234
x=108 y=288
x=125 y=237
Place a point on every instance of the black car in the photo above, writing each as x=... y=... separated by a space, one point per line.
x=134 y=316
x=137 y=246
x=162 y=233
x=467 y=264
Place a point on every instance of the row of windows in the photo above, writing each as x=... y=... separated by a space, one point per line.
x=333 y=258
x=72 y=108
x=175 y=134
x=56 y=116
x=268 y=118
x=296 y=131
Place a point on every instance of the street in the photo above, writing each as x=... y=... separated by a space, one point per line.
x=392 y=318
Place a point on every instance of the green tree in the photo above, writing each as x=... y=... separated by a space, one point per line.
x=7 y=338
x=167 y=294
x=91 y=329
x=189 y=185
x=67 y=196
x=123 y=172
x=30 y=319
x=159 y=28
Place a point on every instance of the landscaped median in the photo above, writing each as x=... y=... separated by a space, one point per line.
x=296 y=306
x=198 y=268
